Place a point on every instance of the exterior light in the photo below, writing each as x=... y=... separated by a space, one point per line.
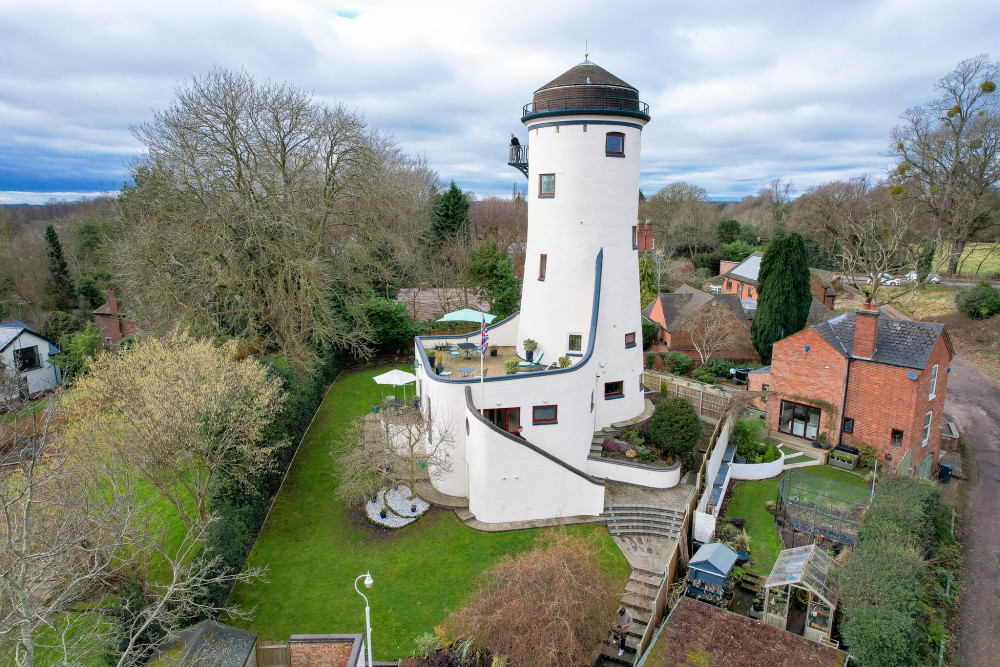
x=368 y=617
x=368 y=581
x=807 y=348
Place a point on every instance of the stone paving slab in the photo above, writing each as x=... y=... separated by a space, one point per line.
x=469 y=519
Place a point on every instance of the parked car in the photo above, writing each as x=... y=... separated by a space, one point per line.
x=886 y=279
x=931 y=278
x=934 y=278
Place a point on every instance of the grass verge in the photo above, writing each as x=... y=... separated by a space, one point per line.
x=315 y=547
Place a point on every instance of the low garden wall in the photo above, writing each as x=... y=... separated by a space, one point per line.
x=654 y=477
x=755 y=471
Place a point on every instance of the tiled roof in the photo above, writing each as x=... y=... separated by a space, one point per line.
x=586 y=74
x=680 y=305
x=208 y=643
x=9 y=331
x=904 y=343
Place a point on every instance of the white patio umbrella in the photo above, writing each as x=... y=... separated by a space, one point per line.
x=396 y=378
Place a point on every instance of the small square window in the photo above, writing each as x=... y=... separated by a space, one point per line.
x=26 y=359
x=614 y=389
x=574 y=343
x=896 y=439
x=849 y=427
x=543 y=262
x=544 y=414
x=614 y=144
x=630 y=339
x=546 y=185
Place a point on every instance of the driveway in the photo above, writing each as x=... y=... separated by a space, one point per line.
x=973 y=403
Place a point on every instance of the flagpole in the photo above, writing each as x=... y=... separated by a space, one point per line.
x=482 y=362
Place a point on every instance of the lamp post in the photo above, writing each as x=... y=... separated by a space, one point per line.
x=368 y=618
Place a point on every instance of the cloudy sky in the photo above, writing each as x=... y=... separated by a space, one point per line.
x=740 y=91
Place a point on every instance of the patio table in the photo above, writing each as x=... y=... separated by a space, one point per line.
x=468 y=347
x=465 y=371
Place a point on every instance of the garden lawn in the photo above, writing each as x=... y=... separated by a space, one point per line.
x=314 y=550
x=747 y=501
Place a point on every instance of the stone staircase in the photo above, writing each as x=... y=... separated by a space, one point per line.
x=637 y=520
x=640 y=592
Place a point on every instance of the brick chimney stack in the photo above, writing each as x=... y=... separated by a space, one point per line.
x=865 y=331
x=112 y=304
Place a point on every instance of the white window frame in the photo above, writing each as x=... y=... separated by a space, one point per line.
x=569 y=350
x=927 y=428
x=934 y=378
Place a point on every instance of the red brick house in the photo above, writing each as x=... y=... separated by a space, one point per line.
x=862 y=378
x=740 y=278
x=111 y=319
x=683 y=315
x=643 y=238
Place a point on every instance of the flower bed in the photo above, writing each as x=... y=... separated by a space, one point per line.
x=623 y=451
x=397 y=506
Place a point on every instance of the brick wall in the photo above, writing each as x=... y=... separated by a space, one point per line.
x=324 y=650
x=743 y=290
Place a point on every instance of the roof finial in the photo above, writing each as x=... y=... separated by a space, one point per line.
x=586 y=52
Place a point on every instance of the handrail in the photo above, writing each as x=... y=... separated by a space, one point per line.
x=518 y=155
x=586 y=102
x=524 y=443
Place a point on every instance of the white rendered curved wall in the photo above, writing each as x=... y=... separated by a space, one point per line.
x=594 y=207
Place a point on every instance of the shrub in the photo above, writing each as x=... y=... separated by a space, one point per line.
x=650 y=359
x=866 y=455
x=980 y=302
x=717 y=367
x=564 y=361
x=703 y=376
x=649 y=331
x=424 y=645
x=678 y=363
x=511 y=365
x=392 y=328
x=707 y=260
x=675 y=426
x=547 y=607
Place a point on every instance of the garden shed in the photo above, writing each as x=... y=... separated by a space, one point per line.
x=710 y=568
x=801 y=592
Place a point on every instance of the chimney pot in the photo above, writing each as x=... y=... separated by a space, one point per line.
x=865 y=331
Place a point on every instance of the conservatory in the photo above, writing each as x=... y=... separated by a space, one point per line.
x=801 y=593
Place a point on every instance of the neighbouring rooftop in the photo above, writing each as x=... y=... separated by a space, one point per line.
x=905 y=343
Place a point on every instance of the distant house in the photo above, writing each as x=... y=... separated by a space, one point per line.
x=740 y=278
x=643 y=238
x=26 y=354
x=209 y=643
x=817 y=311
x=112 y=320
x=682 y=313
x=862 y=378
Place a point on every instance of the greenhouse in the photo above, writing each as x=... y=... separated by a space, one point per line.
x=801 y=592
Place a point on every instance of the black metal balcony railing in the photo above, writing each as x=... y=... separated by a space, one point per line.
x=586 y=103
x=518 y=158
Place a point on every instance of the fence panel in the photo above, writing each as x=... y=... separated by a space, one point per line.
x=273 y=654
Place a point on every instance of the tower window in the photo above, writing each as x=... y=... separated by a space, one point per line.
x=614 y=389
x=546 y=185
x=575 y=343
x=630 y=339
x=614 y=144
x=635 y=238
x=543 y=262
x=544 y=414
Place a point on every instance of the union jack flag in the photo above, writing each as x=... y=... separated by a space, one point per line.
x=486 y=337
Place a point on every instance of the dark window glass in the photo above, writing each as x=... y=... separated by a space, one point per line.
x=630 y=339
x=798 y=419
x=543 y=263
x=896 y=439
x=848 y=426
x=614 y=144
x=26 y=359
x=544 y=414
x=613 y=389
x=575 y=343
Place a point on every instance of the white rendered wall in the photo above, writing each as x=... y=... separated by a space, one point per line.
x=513 y=483
x=594 y=208
x=39 y=379
x=648 y=476
x=755 y=471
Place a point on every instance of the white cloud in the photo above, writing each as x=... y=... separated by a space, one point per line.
x=739 y=92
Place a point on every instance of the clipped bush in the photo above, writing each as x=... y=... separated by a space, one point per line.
x=675 y=427
x=511 y=365
x=564 y=361
x=678 y=363
x=980 y=302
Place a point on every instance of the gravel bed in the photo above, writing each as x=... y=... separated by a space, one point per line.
x=398 y=499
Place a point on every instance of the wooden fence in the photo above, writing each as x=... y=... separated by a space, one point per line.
x=708 y=401
x=273 y=654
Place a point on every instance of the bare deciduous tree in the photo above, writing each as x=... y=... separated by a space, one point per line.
x=713 y=328
x=875 y=241
x=546 y=607
x=388 y=449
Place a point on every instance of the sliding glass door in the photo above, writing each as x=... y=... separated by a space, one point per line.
x=798 y=419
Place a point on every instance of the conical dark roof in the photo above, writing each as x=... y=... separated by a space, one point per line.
x=586 y=74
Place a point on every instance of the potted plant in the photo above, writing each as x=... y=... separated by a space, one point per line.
x=383 y=512
x=511 y=365
x=821 y=441
x=564 y=361
x=530 y=345
x=413 y=507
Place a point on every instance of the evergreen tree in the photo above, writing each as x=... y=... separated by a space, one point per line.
x=783 y=286
x=647 y=282
x=450 y=215
x=728 y=230
x=494 y=273
x=61 y=287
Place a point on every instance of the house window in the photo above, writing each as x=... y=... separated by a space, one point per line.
x=614 y=390
x=592 y=401
x=506 y=419
x=26 y=359
x=614 y=144
x=765 y=388
x=749 y=292
x=652 y=244
x=635 y=238
x=927 y=429
x=934 y=372
x=798 y=419
x=729 y=284
x=630 y=339
x=546 y=185
x=848 y=426
x=739 y=290
x=544 y=414
x=896 y=439
x=574 y=343
x=543 y=262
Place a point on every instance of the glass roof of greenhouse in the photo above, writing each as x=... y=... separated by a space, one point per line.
x=807 y=567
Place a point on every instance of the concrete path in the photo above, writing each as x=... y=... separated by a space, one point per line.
x=973 y=403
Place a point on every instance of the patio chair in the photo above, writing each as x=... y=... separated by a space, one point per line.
x=536 y=362
x=453 y=352
x=551 y=366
